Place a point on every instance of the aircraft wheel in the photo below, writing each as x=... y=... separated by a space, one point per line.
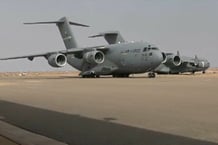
x=203 y=72
x=151 y=75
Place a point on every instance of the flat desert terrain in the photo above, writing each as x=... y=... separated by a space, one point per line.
x=166 y=110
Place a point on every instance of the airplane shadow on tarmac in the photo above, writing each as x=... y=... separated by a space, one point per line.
x=79 y=130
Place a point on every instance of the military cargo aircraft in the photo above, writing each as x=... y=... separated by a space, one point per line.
x=175 y=64
x=117 y=59
x=172 y=64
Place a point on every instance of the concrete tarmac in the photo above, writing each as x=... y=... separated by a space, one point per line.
x=5 y=141
x=166 y=110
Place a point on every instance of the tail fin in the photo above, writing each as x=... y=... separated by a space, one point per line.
x=178 y=53
x=63 y=25
x=112 y=37
x=196 y=60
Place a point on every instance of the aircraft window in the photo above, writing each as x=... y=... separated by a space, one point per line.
x=145 y=49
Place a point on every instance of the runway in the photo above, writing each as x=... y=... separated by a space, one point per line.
x=138 y=110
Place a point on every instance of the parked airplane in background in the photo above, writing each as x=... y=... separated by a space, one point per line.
x=117 y=59
x=112 y=37
x=175 y=64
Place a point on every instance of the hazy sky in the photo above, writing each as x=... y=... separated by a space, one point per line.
x=190 y=26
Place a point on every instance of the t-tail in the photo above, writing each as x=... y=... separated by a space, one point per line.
x=63 y=25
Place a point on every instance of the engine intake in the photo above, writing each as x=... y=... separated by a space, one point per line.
x=94 y=57
x=164 y=57
x=201 y=64
x=57 y=60
x=177 y=61
x=174 y=60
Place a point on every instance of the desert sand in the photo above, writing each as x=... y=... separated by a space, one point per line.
x=170 y=109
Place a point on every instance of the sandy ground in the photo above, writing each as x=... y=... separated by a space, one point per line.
x=172 y=108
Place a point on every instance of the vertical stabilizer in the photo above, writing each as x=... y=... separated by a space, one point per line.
x=66 y=33
x=63 y=25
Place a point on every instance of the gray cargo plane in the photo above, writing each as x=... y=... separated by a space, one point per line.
x=172 y=64
x=175 y=64
x=117 y=59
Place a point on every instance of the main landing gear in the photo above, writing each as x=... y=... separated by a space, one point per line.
x=90 y=75
x=151 y=75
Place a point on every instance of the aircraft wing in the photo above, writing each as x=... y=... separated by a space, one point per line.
x=68 y=51
x=188 y=60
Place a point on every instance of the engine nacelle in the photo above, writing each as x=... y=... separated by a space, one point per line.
x=174 y=60
x=201 y=64
x=57 y=60
x=94 y=57
x=164 y=57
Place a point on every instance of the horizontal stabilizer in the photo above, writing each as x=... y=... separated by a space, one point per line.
x=62 y=20
x=112 y=37
x=105 y=33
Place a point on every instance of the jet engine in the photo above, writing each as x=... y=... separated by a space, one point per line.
x=94 y=57
x=174 y=60
x=164 y=57
x=57 y=60
x=201 y=64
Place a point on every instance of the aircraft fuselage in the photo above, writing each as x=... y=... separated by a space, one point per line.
x=123 y=58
